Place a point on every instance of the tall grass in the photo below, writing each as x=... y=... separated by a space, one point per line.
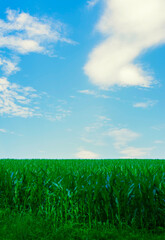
x=108 y=192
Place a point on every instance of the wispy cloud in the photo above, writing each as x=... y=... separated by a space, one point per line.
x=92 y=3
x=88 y=92
x=149 y=103
x=14 y=99
x=94 y=93
x=135 y=152
x=93 y=133
x=130 y=27
x=58 y=112
x=99 y=132
x=122 y=136
x=104 y=118
x=85 y=154
x=9 y=66
x=100 y=122
x=20 y=34
x=158 y=127
x=9 y=132
x=24 y=33
x=61 y=113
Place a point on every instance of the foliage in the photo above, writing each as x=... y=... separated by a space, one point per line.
x=120 y=193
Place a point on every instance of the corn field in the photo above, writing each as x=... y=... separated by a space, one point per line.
x=110 y=192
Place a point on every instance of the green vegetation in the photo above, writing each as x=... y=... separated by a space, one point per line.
x=82 y=199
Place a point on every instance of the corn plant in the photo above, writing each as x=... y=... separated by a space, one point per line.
x=110 y=192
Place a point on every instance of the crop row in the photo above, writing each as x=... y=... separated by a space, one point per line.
x=109 y=192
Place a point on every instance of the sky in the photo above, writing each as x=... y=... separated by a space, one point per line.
x=82 y=79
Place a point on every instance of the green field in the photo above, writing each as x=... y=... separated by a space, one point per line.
x=82 y=199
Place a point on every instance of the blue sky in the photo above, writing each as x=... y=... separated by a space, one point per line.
x=82 y=79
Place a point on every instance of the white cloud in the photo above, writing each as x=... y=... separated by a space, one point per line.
x=122 y=136
x=84 y=154
x=9 y=66
x=134 y=152
x=88 y=92
x=130 y=28
x=159 y=127
x=59 y=113
x=103 y=96
x=10 y=132
x=92 y=3
x=13 y=99
x=91 y=92
x=91 y=128
x=101 y=121
x=147 y=104
x=93 y=133
x=104 y=118
x=24 y=33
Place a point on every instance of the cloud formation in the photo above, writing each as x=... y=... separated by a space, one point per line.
x=14 y=99
x=59 y=112
x=93 y=133
x=130 y=28
x=149 y=103
x=134 y=152
x=9 y=66
x=122 y=136
x=88 y=92
x=24 y=33
x=20 y=34
x=84 y=154
x=91 y=92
